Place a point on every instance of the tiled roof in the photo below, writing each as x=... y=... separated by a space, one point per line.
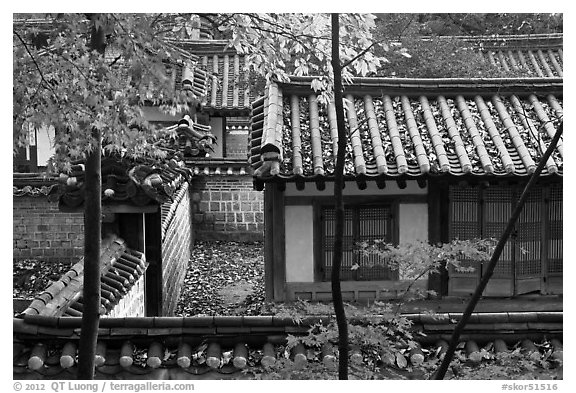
x=541 y=55
x=121 y=267
x=183 y=348
x=409 y=128
x=228 y=83
x=193 y=139
x=126 y=182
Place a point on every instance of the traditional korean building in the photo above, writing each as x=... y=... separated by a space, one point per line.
x=426 y=160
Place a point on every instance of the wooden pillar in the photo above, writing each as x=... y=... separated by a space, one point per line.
x=438 y=230
x=274 y=243
x=153 y=251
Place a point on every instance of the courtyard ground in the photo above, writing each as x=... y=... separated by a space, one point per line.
x=224 y=278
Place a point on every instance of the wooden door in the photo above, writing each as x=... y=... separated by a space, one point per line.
x=497 y=209
x=554 y=270
x=528 y=256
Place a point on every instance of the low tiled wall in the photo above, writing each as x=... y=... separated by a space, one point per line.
x=177 y=241
x=132 y=304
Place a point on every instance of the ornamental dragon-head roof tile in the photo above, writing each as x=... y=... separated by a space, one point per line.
x=409 y=128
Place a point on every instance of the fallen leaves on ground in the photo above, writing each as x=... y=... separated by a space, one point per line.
x=218 y=269
x=31 y=276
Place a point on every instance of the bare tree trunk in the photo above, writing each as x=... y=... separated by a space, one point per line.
x=441 y=372
x=92 y=242
x=339 y=205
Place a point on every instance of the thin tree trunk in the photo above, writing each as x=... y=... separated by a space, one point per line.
x=339 y=205
x=92 y=242
x=441 y=372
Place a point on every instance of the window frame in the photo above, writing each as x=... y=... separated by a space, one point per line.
x=319 y=204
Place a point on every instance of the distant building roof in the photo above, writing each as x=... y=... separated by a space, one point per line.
x=541 y=55
x=228 y=85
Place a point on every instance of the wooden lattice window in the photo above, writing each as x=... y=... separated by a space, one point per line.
x=533 y=251
x=361 y=223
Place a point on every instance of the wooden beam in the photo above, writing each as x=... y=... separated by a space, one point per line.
x=381 y=182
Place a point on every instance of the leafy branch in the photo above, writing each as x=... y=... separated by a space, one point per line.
x=42 y=78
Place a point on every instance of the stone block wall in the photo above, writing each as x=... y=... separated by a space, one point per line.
x=132 y=304
x=41 y=231
x=177 y=242
x=227 y=208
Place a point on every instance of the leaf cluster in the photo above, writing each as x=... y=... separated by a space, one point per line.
x=279 y=45
x=415 y=259
x=64 y=84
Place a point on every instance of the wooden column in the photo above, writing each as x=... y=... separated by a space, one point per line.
x=438 y=229
x=274 y=243
x=153 y=251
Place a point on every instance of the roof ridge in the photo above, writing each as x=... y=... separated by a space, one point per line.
x=61 y=325
x=528 y=81
x=502 y=36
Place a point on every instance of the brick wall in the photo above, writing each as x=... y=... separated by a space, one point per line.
x=131 y=304
x=227 y=208
x=177 y=239
x=41 y=231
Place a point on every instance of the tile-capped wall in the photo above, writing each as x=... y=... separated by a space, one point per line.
x=132 y=304
x=177 y=243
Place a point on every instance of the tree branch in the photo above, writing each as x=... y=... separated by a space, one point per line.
x=42 y=78
x=359 y=55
